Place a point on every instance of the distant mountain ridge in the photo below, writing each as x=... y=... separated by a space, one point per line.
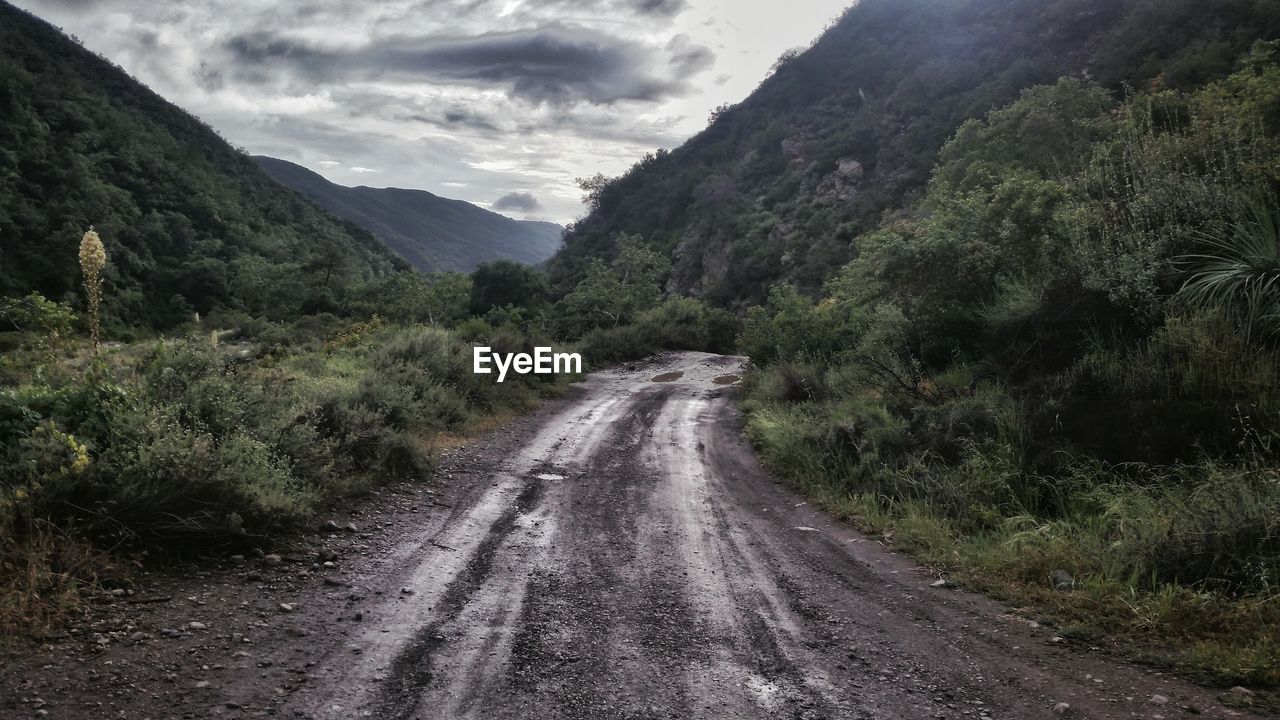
x=428 y=231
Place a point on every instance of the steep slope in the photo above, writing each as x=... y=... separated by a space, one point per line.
x=431 y=232
x=190 y=224
x=778 y=186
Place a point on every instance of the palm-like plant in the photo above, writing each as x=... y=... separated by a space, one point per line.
x=1239 y=274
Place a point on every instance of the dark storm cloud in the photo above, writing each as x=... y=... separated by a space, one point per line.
x=555 y=64
x=504 y=120
x=661 y=7
x=643 y=10
x=397 y=107
x=518 y=201
x=451 y=120
x=651 y=8
x=468 y=119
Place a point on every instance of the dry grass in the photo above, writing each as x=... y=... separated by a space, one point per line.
x=44 y=576
x=449 y=440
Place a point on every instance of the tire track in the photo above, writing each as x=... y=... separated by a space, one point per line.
x=632 y=560
x=400 y=694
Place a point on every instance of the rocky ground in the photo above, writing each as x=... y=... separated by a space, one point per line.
x=618 y=554
x=237 y=636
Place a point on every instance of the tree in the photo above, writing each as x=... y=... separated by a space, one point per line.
x=441 y=298
x=447 y=297
x=640 y=269
x=614 y=295
x=505 y=282
x=593 y=189
x=41 y=326
x=595 y=302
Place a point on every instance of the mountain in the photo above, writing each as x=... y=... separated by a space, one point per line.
x=190 y=224
x=777 y=187
x=431 y=232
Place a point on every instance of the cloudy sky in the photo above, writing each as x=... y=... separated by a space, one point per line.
x=499 y=102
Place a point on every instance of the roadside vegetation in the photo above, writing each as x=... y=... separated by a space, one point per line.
x=230 y=431
x=1056 y=377
x=616 y=312
x=220 y=435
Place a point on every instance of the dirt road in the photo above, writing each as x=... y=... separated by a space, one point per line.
x=632 y=560
x=618 y=555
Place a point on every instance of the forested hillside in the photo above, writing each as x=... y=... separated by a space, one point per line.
x=430 y=232
x=1010 y=274
x=1056 y=375
x=777 y=187
x=191 y=223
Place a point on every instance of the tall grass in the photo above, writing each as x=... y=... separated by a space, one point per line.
x=1184 y=560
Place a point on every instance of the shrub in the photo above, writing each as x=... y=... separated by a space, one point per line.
x=191 y=444
x=34 y=332
x=1194 y=388
x=675 y=324
x=1209 y=526
x=793 y=383
x=1239 y=274
x=162 y=482
x=609 y=345
x=680 y=323
x=791 y=328
x=370 y=429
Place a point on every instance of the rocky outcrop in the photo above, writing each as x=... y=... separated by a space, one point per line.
x=841 y=184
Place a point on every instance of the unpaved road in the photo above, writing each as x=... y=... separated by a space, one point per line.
x=631 y=560
x=619 y=555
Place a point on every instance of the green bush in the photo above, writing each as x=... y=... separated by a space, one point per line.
x=674 y=324
x=370 y=432
x=1194 y=388
x=190 y=442
x=603 y=346
x=681 y=323
x=157 y=481
x=1207 y=526
x=793 y=383
x=1239 y=275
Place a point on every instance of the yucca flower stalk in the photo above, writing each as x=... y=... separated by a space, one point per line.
x=1239 y=274
x=93 y=258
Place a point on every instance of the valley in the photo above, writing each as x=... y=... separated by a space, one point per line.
x=935 y=374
